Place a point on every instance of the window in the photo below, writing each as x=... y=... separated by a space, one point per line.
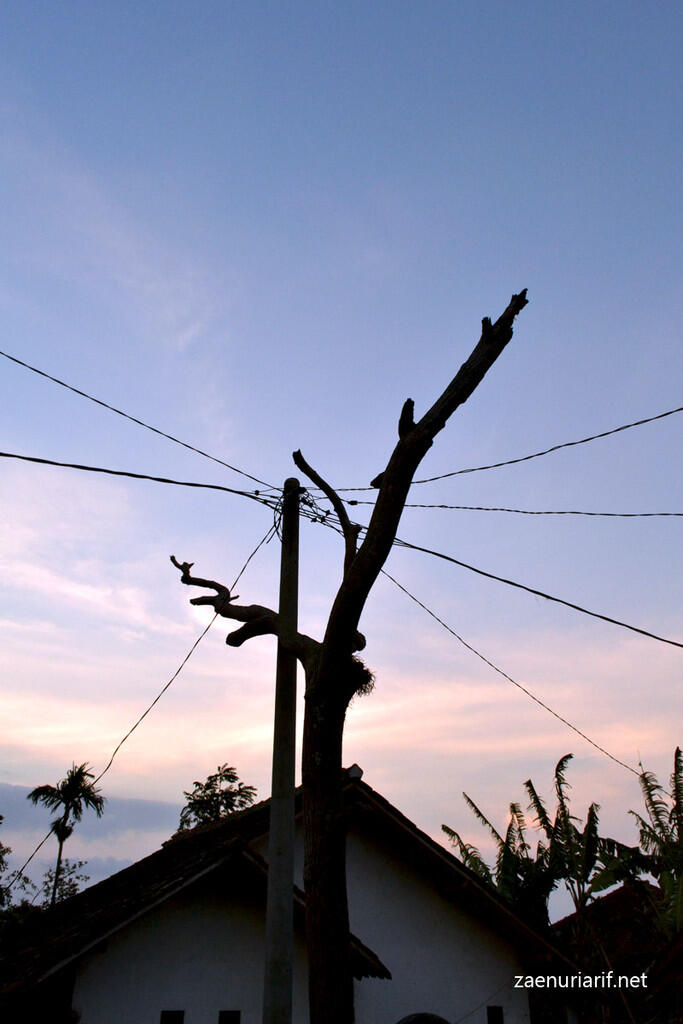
x=229 y=1016
x=172 y=1017
x=494 y=1015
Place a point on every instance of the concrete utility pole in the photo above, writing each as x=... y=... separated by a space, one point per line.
x=277 y=988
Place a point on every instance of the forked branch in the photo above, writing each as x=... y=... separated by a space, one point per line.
x=349 y=529
x=415 y=440
x=258 y=620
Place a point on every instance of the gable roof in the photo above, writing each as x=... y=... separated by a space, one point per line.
x=72 y=928
x=58 y=937
x=455 y=882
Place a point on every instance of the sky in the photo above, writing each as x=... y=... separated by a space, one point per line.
x=261 y=227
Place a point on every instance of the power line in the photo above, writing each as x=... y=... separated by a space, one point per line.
x=17 y=874
x=133 y=419
x=521 y=586
x=492 y=995
x=268 y=498
x=157 y=698
x=254 y=495
x=534 y=455
x=500 y=672
x=531 y=512
x=130 y=731
x=264 y=540
x=491 y=664
x=554 y=448
x=537 y=593
x=267 y=536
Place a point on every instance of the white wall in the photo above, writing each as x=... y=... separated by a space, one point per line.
x=201 y=952
x=442 y=961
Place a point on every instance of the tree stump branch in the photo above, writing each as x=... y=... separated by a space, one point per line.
x=258 y=620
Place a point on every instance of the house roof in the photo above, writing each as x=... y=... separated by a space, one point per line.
x=58 y=937
x=456 y=883
x=72 y=928
x=625 y=919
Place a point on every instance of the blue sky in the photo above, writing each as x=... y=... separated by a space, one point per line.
x=261 y=227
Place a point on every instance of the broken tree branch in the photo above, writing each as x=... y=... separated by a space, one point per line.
x=494 y=338
x=349 y=529
x=394 y=483
x=258 y=620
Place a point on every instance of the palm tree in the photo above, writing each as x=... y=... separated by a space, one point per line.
x=586 y=862
x=70 y=797
x=661 y=839
x=577 y=856
x=523 y=879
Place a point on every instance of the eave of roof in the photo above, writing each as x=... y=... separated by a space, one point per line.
x=183 y=859
x=456 y=882
x=73 y=928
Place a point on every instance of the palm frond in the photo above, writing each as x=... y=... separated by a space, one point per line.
x=469 y=855
x=521 y=826
x=538 y=807
x=508 y=864
x=561 y=786
x=677 y=796
x=61 y=829
x=650 y=840
x=484 y=820
x=47 y=795
x=655 y=804
x=590 y=842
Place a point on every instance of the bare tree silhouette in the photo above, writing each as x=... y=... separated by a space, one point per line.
x=334 y=673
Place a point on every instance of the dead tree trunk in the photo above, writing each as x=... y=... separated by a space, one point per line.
x=334 y=674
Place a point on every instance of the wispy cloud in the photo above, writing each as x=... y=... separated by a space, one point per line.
x=73 y=229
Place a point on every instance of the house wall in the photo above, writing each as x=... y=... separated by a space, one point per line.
x=201 y=951
x=441 y=959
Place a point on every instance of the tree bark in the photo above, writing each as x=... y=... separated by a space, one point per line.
x=62 y=831
x=330 y=984
x=57 y=869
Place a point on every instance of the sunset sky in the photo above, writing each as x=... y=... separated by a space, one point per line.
x=260 y=227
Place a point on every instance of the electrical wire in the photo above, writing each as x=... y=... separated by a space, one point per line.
x=130 y=731
x=534 y=455
x=264 y=540
x=267 y=499
x=500 y=672
x=254 y=495
x=398 y=542
x=554 y=448
x=133 y=419
x=538 y=593
x=17 y=874
x=530 y=512
x=157 y=698
x=486 y=1002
